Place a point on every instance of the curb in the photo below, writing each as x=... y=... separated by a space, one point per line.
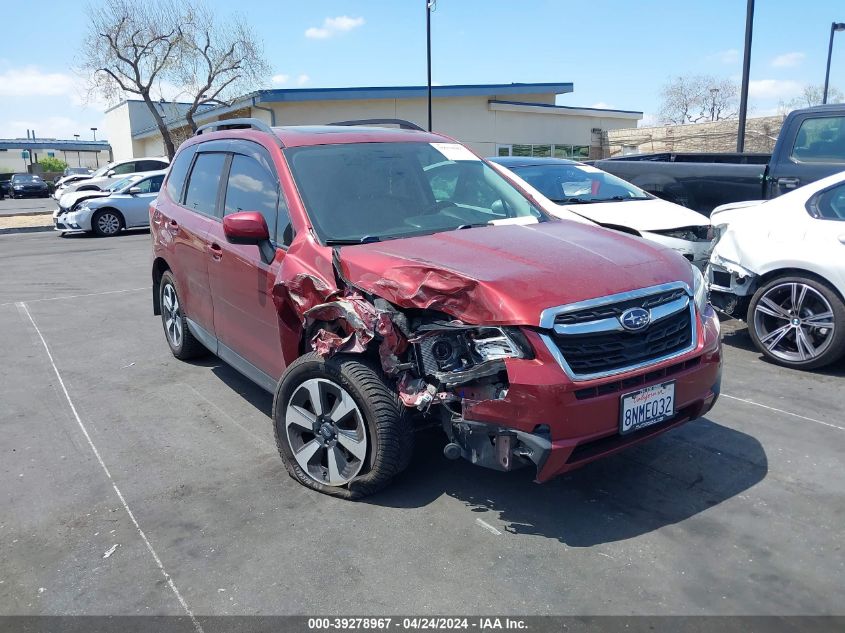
x=26 y=229
x=26 y=214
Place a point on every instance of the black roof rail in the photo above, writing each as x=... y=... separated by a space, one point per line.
x=402 y=123
x=239 y=124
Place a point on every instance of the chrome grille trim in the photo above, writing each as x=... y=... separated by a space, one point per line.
x=608 y=325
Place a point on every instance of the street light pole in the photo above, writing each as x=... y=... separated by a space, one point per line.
x=94 y=130
x=746 y=68
x=713 y=93
x=428 y=6
x=834 y=26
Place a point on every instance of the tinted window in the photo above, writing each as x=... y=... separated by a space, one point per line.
x=178 y=173
x=251 y=188
x=821 y=140
x=125 y=168
x=150 y=185
x=574 y=182
x=151 y=165
x=830 y=204
x=201 y=195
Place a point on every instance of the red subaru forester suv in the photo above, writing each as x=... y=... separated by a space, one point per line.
x=377 y=278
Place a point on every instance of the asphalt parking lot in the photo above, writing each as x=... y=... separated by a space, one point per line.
x=133 y=483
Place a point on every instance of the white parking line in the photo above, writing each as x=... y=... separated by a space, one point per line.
x=794 y=415
x=23 y=307
x=90 y=294
x=488 y=527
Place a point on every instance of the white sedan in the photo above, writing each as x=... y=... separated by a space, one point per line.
x=780 y=265
x=614 y=203
x=105 y=213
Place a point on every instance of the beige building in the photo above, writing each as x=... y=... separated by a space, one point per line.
x=502 y=119
x=20 y=155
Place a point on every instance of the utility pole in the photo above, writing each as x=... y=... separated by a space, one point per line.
x=746 y=68
x=429 y=5
x=835 y=26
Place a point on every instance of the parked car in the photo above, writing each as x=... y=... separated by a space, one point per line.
x=613 y=203
x=109 y=174
x=331 y=267
x=5 y=187
x=780 y=265
x=810 y=146
x=28 y=186
x=72 y=171
x=106 y=213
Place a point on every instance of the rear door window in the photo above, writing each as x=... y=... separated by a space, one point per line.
x=151 y=185
x=150 y=165
x=829 y=204
x=203 y=184
x=820 y=140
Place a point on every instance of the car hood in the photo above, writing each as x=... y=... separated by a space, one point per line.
x=68 y=200
x=507 y=275
x=641 y=215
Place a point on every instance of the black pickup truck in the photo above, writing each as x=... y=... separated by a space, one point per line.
x=811 y=145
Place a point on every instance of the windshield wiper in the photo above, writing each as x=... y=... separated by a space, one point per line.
x=364 y=240
x=617 y=199
x=573 y=200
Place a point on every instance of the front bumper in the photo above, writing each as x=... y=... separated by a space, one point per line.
x=697 y=252
x=66 y=221
x=577 y=422
x=731 y=287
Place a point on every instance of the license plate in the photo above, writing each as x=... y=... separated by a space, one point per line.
x=646 y=407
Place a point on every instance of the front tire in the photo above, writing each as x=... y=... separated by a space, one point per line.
x=339 y=426
x=182 y=343
x=106 y=223
x=797 y=322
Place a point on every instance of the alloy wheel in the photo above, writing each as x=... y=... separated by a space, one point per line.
x=326 y=431
x=108 y=223
x=172 y=315
x=794 y=322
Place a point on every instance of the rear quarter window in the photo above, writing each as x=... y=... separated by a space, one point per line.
x=178 y=173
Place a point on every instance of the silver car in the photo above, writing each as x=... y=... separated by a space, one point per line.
x=109 y=174
x=125 y=208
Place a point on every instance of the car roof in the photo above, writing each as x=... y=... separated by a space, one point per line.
x=306 y=135
x=530 y=161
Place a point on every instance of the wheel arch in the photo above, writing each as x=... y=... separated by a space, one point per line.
x=160 y=266
x=796 y=271
x=114 y=210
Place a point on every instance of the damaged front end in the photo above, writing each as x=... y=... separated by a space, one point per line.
x=440 y=366
x=731 y=285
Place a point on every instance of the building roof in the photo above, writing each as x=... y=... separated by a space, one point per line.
x=40 y=144
x=291 y=95
x=569 y=109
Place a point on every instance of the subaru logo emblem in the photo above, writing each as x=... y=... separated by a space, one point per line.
x=635 y=319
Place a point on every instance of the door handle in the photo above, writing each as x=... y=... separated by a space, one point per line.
x=788 y=183
x=216 y=251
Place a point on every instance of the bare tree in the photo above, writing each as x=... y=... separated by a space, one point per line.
x=811 y=95
x=137 y=47
x=697 y=98
x=130 y=47
x=220 y=59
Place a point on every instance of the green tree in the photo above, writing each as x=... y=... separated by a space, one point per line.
x=52 y=164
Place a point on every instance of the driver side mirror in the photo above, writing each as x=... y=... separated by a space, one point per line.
x=110 y=173
x=245 y=227
x=134 y=191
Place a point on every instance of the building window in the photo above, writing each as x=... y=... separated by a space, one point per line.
x=576 y=152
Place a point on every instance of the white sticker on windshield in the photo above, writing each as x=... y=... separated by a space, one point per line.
x=589 y=169
x=454 y=151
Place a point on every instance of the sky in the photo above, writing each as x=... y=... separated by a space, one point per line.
x=618 y=53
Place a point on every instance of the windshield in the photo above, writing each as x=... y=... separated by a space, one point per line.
x=120 y=184
x=25 y=178
x=575 y=183
x=102 y=170
x=373 y=191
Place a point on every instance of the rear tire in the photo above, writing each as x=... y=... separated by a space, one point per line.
x=354 y=440
x=797 y=321
x=182 y=343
